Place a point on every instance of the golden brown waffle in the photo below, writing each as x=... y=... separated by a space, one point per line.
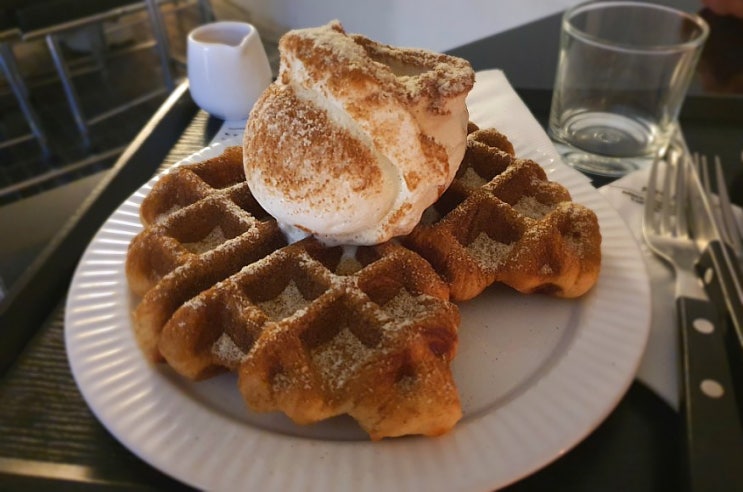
x=308 y=330
x=501 y=220
x=314 y=332
x=201 y=226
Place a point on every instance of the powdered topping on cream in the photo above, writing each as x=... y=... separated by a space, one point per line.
x=355 y=139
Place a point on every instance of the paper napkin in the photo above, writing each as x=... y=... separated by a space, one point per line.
x=659 y=368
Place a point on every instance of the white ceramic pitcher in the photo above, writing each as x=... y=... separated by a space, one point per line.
x=227 y=68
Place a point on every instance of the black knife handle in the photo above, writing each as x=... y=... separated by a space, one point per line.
x=714 y=437
x=719 y=277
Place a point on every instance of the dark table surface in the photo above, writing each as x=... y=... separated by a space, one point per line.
x=50 y=440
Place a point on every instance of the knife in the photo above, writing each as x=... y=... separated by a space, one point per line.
x=711 y=416
x=720 y=273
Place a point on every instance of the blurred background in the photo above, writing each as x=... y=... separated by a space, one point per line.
x=115 y=73
x=91 y=71
x=103 y=56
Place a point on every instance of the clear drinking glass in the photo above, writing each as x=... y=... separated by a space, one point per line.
x=622 y=76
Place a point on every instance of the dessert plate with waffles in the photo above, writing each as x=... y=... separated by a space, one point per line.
x=392 y=270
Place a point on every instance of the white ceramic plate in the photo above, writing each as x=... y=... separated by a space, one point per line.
x=535 y=374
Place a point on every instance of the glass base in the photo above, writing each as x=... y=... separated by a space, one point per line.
x=600 y=165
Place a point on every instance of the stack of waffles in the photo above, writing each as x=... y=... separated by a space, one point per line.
x=369 y=331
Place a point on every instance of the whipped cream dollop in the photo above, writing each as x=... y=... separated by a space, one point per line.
x=355 y=139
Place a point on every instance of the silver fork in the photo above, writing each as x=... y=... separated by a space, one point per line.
x=728 y=227
x=714 y=444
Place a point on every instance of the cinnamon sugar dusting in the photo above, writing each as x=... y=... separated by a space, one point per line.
x=207 y=243
x=341 y=358
x=355 y=138
x=530 y=207
x=226 y=350
x=300 y=168
x=404 y=306
x=487 y=252
x=285 y=304
x=471 y=179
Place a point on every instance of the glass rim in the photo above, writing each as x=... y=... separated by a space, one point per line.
x=691 y=44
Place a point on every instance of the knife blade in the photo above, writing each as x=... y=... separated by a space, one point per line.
x=719 y=271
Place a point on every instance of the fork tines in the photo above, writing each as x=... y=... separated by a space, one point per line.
x=665 y=189
x=727 y=225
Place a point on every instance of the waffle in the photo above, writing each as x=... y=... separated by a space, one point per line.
x=309 y=330
x=201 y=226
x=503 y=221
x=316 y=331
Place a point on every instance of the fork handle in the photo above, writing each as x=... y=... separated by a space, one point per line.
x=714 y=437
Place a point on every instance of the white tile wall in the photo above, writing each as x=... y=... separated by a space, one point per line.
x=433 y=24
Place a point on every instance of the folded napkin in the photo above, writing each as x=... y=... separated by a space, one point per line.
x=659 y=368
